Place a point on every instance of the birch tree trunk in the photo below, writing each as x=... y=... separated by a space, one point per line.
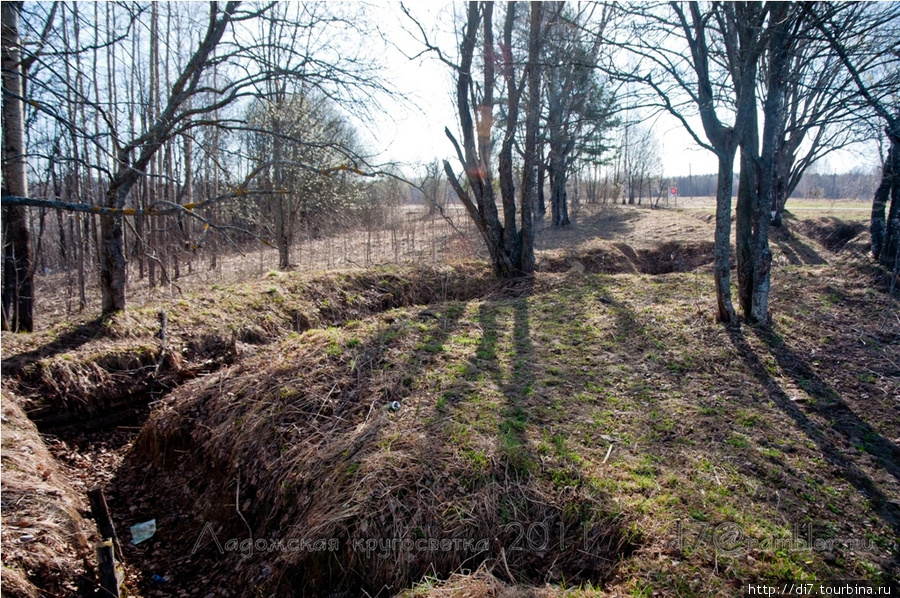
x=18 y=296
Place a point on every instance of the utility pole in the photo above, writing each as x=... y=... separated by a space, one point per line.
x=691 y=181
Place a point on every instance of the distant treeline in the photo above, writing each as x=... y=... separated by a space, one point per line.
x=856 y=184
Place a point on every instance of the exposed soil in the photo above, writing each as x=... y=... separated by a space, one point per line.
x=835 y=234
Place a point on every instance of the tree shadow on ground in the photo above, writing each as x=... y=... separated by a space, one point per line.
x=67 y=341
x=828 y=403
x=322 y=451
x=607 y=223
x=568 y=534
x=794 y=249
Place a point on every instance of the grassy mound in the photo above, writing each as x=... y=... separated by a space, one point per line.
x=592 y=430
x=362 y=435
x=44 y=537
x=836 y=234
x=424 y=431
x=87 y=370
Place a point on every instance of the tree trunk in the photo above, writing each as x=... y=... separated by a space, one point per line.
x=281 y=238
x=541 y=208
x=756 y=191
x=189 y=198
x=532 y=122
x=878 y=223
x=483 y=210
x=134 y=158
x=18 y=295
x=768 y=184
x=722 y=265
x=80 y=238
x=558 y=206
x=784 y=182
x=886 y=230
x=504 y=158
x=748 y=192
x=113 y=266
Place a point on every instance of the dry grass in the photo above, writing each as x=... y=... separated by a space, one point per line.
x=599 y=412
x=91 y=368
x=596 y=411
x=44 y=537
x=480 y=584
x=413 y=239
x=311 y=435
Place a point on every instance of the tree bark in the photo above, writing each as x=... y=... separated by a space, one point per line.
x=18 y=287
x=756 y=191
x=747 y=195
x=532 y=122
x=282 y=236
x=722 y=263
x=878 y=222
x=740 y=40
x=504 y=158
x=772 y=139
x=541 y=207
x=558 y=196
x=483 y=210
x=887 y=228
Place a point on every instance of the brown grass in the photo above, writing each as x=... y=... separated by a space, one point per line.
x=77 y=371
x=44 y=538
x=602 y=409
x=610 y=407
x=310 y=436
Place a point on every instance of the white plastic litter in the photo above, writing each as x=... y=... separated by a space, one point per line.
x=143 y=531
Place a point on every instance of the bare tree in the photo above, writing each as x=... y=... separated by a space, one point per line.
x=822 y=113
x=578 y=108
x=712 y=81
x=434 y=185
x=18 y=299
x=756 y=189
x=640 y=160
x=294 y=130
x=511 y=247
x=874 y=68
x=133 y=158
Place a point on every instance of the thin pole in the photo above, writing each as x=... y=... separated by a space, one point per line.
x=691 y=180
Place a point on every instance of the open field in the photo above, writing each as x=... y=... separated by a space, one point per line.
x=415 y=238
x=848 y=209
x=592 y=432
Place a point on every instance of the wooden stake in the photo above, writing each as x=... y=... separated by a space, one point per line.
x=163 y=339
x=100 y=512
x=106 y=558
